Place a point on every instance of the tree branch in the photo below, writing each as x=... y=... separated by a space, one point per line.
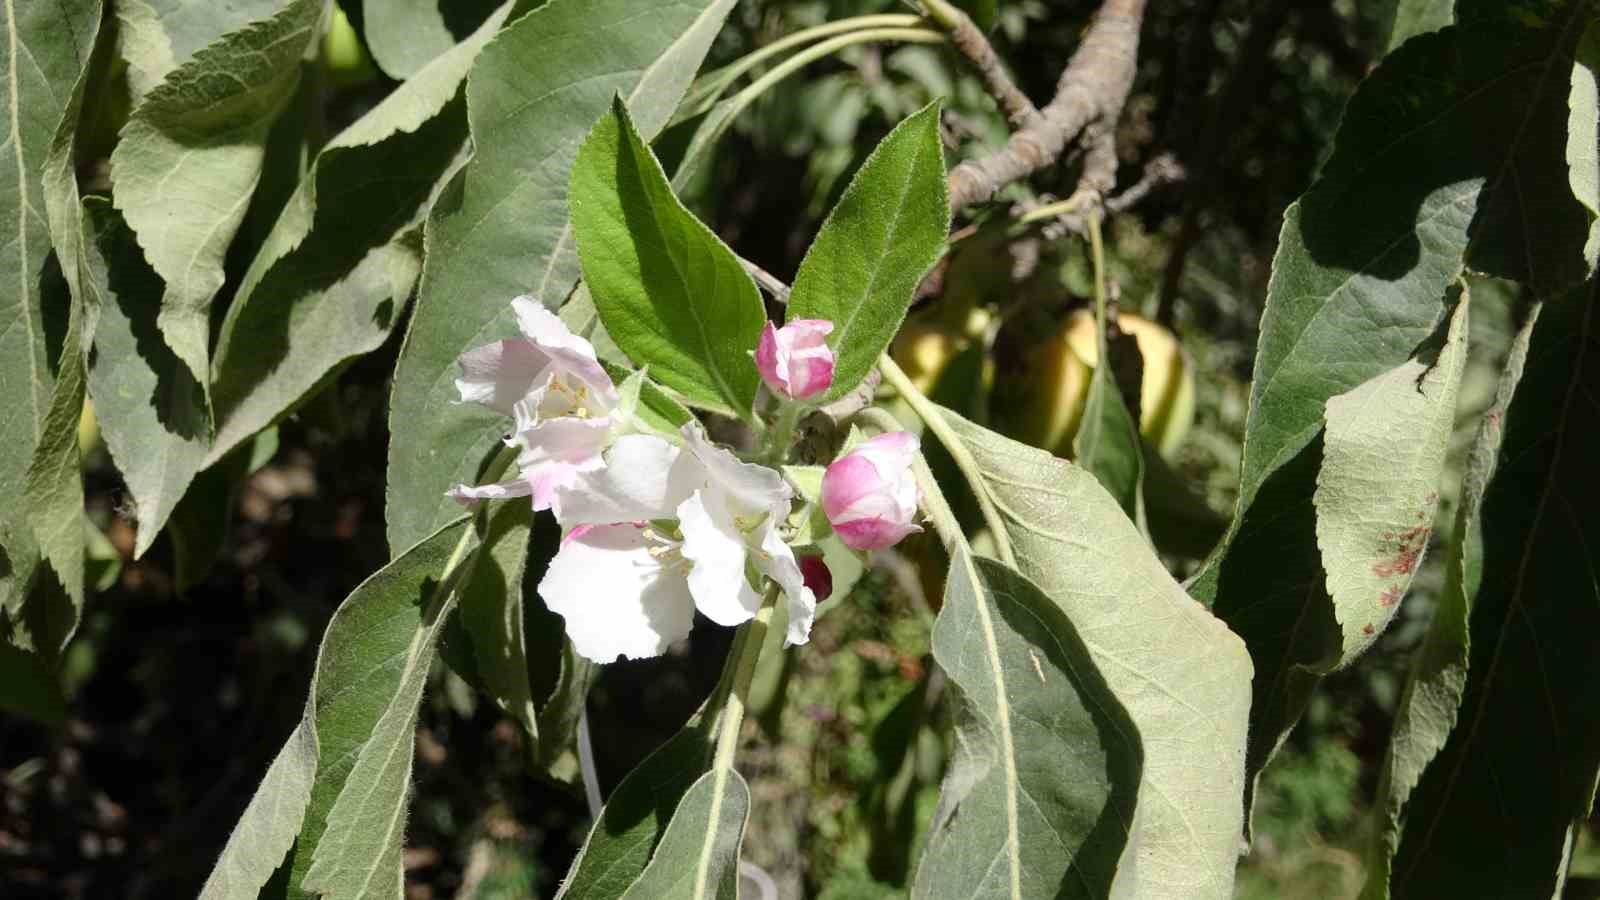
x=1092 y=90
x=970 y=41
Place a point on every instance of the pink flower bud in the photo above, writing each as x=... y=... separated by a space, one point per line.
x=869 y=494
x=817 y=577
x=795 y=360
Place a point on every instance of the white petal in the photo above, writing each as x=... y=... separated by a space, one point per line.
x=500 y=374
x=616 y=599
x=644 y=478
x=567 y=351
x=469 y=494
x=715 y=547
x=777 y=560
x=752 y=488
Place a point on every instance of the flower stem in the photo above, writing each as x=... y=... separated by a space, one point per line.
x=805 y=36
x=780 y=435
x=736 y=677
x=933 y=417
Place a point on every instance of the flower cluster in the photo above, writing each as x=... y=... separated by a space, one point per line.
x=657 y=528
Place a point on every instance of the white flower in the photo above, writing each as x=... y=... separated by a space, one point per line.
x=662 y=531
x=552 y=383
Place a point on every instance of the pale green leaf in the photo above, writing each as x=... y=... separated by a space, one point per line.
x=1432 y=697
x=501 y=230
x=1494 y=812
x=373 y=659
x=1044 y=774
x=152 y=412
x=1409 y=18
x=196 y=143
x=1183 y=677
x=54 y=491
x=331 y=280
x=45 y=49
x=698 y=856
x=159 y=35
x=405 y=35
x=1377 y=494
x=668 y=291
x=1108 y=442
x=885 y=233
x=1583 y=136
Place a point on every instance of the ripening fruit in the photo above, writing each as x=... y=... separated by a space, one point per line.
x=925 y=346
x=1057 y=381
x=346 y=59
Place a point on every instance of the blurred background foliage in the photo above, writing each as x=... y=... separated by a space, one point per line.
x=192 y=663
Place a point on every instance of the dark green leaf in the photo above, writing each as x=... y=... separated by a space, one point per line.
x=491 y=613
x=886 y=232
x=46 y=50
x=152 y=412
x=332 y=278
x=500 y=228
x=698 y=857
x=196 y=143
x=343 y=772
x=1108 y=442
x=1494 y=813
x=1039 y=799
x=671 y=295
x=1443 y=154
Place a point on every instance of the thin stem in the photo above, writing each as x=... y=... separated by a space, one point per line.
x=806 y=36
x=1053 y=210
x=811 y=54
x=781 y=433
x=1097 y=252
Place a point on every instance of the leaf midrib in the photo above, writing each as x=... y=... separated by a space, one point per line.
x=13 y=98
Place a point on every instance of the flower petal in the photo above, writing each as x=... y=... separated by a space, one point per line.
x=644 y=478
x=567 y=351
x=713 y=544
x=497 y=375
x=751 y=488
x=777 y=560
x=468 y=494
x=616 y=598
x=873 y=532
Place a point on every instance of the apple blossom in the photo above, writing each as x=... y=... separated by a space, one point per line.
x=795 y=360
x=869 y=494
x=550 y=381
x=703 y=518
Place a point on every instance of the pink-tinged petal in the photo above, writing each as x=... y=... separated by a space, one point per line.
x=818 y=577
x=579 y=531
x=569 y=352
x=875 y=533
x=870 y=493
x=716 y=550
x=846 y=481
x=616 y=597
x=795 y=360
x=498 y=375
x=751 y=488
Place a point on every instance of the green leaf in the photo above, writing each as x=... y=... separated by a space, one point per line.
x=54 y=491
x=159 y=35
x=886 y=232
x=151 y=410
x=668 y=291
x=1382 y=458
x=500 y=228
x=636 y=814
x=45 y=48
x=1149 y=639
x=1443 y=155
x=1428 y=707
x=491 y=613
x=405 y=35
x=1044 y=775
x=347 y=762
x=1108 y=442
x=1583 y=136
x=1525 y=753
x=1409 y=18
x=332 y=278
x=196 y=143
x=698 y=857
